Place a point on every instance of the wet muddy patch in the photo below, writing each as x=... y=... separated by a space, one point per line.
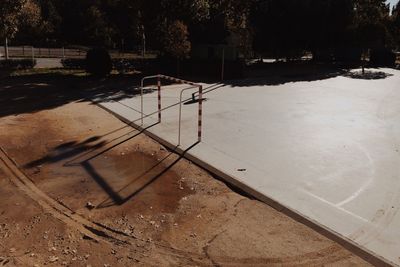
x=138 y=180
x=114 y=181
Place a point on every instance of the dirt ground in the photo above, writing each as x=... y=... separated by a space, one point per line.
x=80 y=188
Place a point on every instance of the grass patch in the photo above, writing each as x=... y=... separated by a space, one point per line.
x=42 y=71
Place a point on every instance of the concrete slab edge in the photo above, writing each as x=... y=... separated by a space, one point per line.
x=348 y=244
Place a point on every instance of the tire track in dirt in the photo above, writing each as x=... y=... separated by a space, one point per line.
x=20 y=180
x=90 y=230
x=100 y=233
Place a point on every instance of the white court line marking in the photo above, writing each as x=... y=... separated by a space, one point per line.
x=335 y=206
x=371 y=166
x=340 y=205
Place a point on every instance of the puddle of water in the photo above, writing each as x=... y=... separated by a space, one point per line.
x=138 y=181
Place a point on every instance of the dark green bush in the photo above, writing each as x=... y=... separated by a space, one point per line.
x=98 y=62
x=348 y=55
x=125 y=65
x=323 y=55
x=382 y=57
x=74 y=63
x=17 y=64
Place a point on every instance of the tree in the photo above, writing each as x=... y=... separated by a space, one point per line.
x=187 y=11
x=76 y=25
x=281 y=27
x=49 y=27
x=99 y=22
x=30 y=22
x=330 y=23
x=9 y=19
x=111 y=22
x=287 y=28
x=13 y=14
x=395 y=25
x=176 y=42
x=371 y=20
x=125 y=18
x=157 y=16
x=97 y=27
x=238 y=23
x=208 y=21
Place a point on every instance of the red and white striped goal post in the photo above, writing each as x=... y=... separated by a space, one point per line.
x=160 y=77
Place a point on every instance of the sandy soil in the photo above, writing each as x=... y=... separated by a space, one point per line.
x=118 y=198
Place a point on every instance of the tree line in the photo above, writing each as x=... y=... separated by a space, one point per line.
x=279 y=28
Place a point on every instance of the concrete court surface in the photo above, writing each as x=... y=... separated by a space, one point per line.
x=327 y=149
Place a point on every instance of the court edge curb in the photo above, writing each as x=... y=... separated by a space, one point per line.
x=348 y=244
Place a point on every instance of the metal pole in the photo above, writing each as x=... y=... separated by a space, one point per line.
x=63 y=53
x=141 y=99
x=123 y=46
x=200 y=112
x=180 y=113
x=33 y=54
x=223 y=64
x=159 y=98
x=6 y=49
x=180 y=119
x=144 y=44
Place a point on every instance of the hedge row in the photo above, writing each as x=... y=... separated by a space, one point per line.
x=121 y=65
x=17 y=64
x=208 y=68
x=73 y=63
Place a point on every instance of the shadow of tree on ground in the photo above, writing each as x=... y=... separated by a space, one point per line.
x=33 y=93
x=367 y=75
x=37 y=92
x=281 y=73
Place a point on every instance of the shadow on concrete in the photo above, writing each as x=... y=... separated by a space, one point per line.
x=367 y=75
x=37 y=92
x=34 y=93
x=279 y=73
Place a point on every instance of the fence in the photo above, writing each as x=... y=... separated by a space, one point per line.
x=29 y=52
x=40 y=52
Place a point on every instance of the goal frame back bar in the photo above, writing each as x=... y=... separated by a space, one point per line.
x=159 y=78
